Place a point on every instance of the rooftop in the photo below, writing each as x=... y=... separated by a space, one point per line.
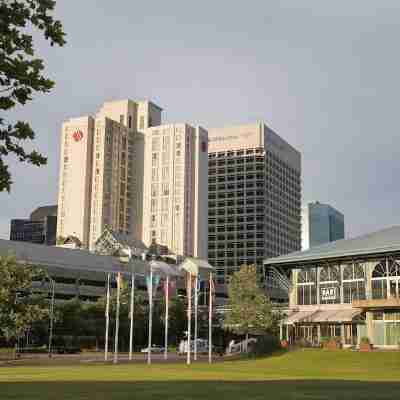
x=375 y=243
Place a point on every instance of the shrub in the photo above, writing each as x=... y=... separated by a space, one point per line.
x=325 y=339
x=265 y=345
x=365 y=340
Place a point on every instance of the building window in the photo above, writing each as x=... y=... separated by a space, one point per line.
x=130 y=121
x=353 y=283
x=379 y=281
x=329 y=280
x=306 y=286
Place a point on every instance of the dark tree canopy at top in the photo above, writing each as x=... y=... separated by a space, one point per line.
x=21 y=73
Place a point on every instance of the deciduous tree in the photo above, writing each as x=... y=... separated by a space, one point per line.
x=249 y=308
x=19 y=307
x=21 y=73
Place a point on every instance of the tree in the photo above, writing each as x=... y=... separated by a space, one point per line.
x=21 y=73
x=249 y=308
x=19 y=307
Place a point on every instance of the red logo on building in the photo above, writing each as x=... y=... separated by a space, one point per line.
x=204 y=147
x=77 y=135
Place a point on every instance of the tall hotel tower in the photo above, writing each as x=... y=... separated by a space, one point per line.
x=175 y=188
x=100 y=171
x=124 y=170
x=254 y=192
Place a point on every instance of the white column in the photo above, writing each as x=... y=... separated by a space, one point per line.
x=189 y=314
x=150 y=315
x=132 y=305
x=196 y=301
x=117 y=318
x=107 y=318
x=166 y=317
x=210 y=321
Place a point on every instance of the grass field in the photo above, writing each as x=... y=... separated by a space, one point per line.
x=310 y=374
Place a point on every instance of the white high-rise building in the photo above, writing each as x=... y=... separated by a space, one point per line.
x=101 y=170
x=175 y=189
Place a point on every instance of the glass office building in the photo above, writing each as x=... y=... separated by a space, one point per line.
x=320 y=223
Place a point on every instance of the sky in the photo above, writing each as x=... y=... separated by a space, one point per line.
x=322 y=74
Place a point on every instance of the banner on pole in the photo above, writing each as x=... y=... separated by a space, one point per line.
x=171 y=288
x=156 y=281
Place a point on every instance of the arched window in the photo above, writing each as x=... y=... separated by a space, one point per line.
x=329 y=280
x=307 y=286
x=394 y=278
x=379 y=281
x=353 y=282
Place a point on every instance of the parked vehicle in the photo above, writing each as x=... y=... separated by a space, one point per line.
x=202 y=346
x=154 y=349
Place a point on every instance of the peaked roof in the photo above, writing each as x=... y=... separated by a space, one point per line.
x=380 y=242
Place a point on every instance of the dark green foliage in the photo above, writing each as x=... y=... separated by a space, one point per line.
x=19 y=307
x=265 y=345
x=21 y=73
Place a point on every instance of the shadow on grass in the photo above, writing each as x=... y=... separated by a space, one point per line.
x=184 y=390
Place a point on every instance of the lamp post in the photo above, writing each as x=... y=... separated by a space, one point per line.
x=52 y=282
x=196 y=303
x=107 y=318
x=117 y=318
x=210 y=320
x=150 y=314
x=189 y=314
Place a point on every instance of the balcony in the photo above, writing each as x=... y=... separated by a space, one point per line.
x=391 y=302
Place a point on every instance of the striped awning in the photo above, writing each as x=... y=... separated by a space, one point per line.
x=335 y=315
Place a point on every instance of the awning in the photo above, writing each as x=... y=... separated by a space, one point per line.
x=196 y=266
x=299 y=316
x=335 y=315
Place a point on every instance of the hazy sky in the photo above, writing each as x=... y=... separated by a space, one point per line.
x=323 y=74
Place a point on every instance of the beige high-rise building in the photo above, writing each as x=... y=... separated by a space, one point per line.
x=101 y=172
x=75 y=179
x=175 y=189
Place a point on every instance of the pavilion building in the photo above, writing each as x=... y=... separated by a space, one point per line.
x=348 y=289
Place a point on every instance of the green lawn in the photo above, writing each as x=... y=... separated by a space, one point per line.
x=311 y=374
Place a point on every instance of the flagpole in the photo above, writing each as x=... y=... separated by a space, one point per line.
x=166 y=317
x=107 y=318
x=131 y=309
x=117 y=319
x=150 y=314
x=196 y=301
x=210 y=322
x=189 y=294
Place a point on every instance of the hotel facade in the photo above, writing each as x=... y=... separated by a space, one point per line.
x=175 y=188
x=114 y=168
x=254 y=194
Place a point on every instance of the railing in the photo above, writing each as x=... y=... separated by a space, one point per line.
x=282 y=280
x=240 y=347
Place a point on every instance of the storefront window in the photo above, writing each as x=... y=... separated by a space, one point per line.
x=379 y=281
x=353 y=283
x=306 y=286
x=329 y=280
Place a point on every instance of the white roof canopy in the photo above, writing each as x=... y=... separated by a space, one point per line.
x=196 y=266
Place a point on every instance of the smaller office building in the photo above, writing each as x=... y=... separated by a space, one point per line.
x=40 y=228
x=348 y=289
x=320 y=223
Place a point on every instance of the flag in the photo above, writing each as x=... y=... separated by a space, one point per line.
x=187 y=283
x=171 y=289
x=156 y=281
